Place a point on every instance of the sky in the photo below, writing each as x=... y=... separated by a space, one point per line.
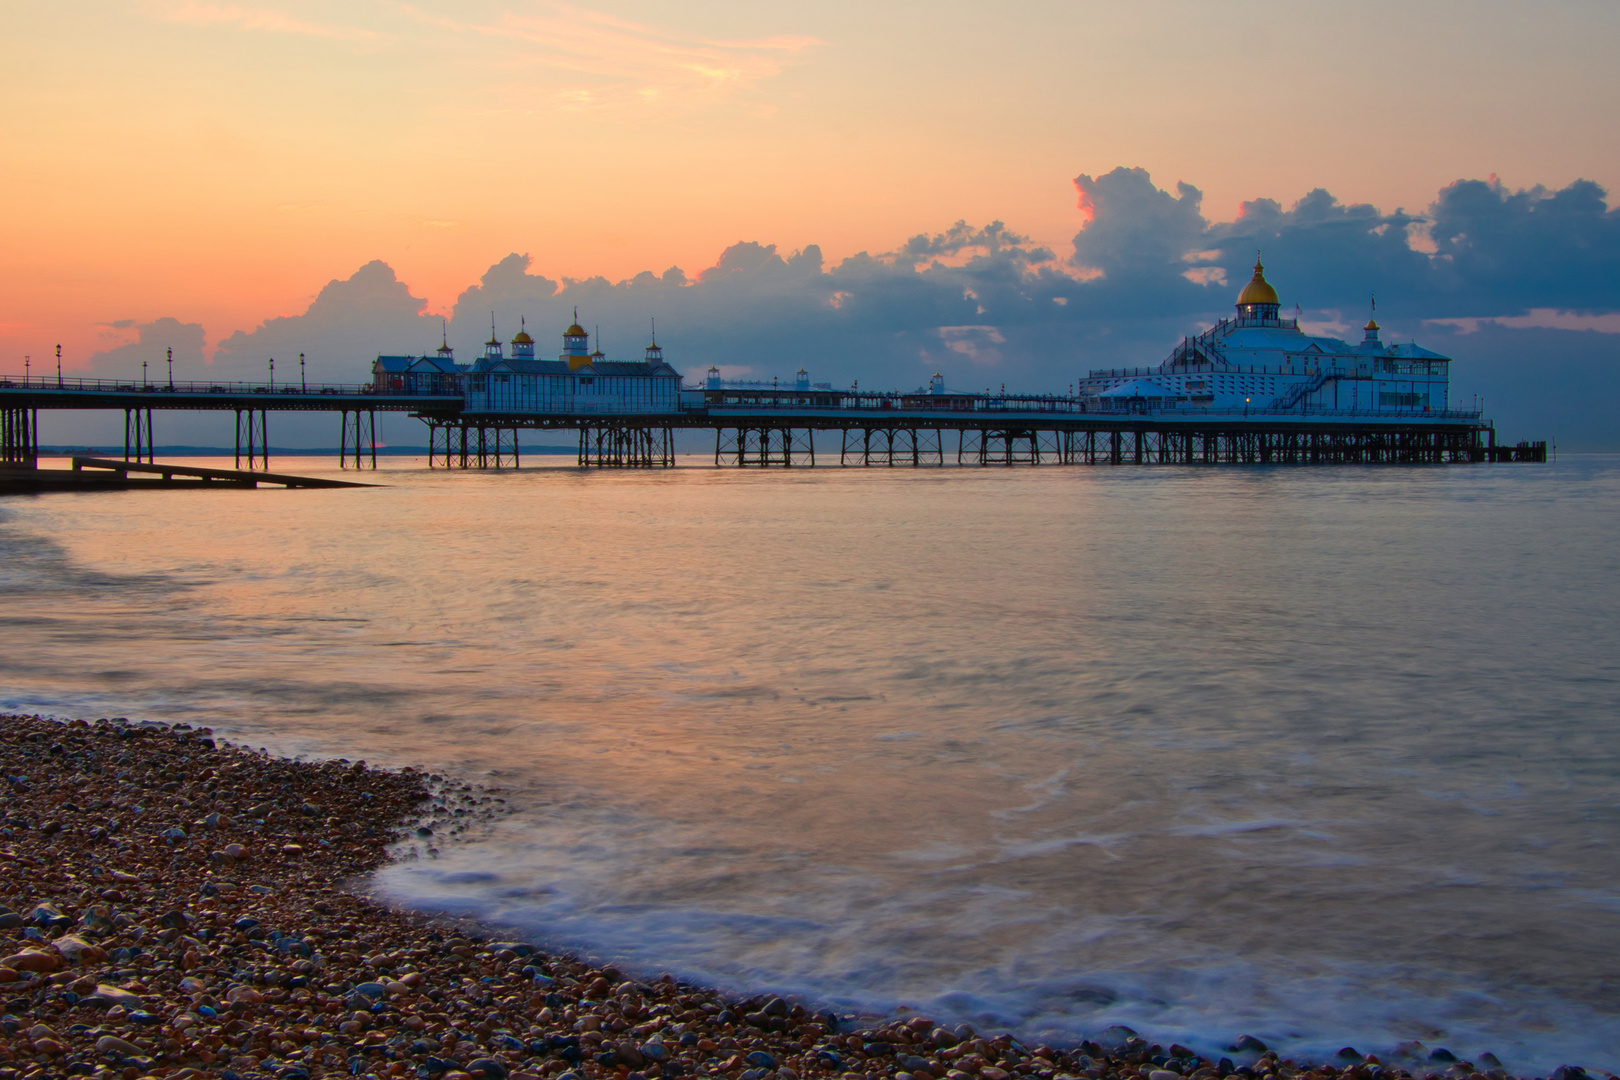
x=1007 y=193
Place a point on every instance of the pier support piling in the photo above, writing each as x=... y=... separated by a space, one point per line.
x=19 y=437
x=360 y=435
x=252 y=438
x=626 y=446
x=456 y=444
x=764 y=446
x=138 y=435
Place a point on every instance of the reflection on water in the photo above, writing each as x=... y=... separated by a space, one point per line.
x=1325 y=755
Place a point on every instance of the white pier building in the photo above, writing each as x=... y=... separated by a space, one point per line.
x=1260 y=362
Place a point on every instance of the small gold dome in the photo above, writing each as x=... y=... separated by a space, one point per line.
x=523 y=338
x=575 y=330
x=1258 y=290
x=1372 y=326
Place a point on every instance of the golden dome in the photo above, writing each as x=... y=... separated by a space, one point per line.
x=1258 y=290
x=523 y=338
x=575 y=330
x=1372 y=326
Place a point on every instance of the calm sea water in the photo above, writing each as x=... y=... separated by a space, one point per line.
x=1325 y=755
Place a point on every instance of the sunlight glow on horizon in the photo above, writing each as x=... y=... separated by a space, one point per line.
x=220 y=162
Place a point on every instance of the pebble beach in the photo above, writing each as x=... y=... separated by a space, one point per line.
x=172 y=906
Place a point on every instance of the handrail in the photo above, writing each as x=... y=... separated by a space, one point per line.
x=126 y=386
x=959 y=404
x=1305 y=389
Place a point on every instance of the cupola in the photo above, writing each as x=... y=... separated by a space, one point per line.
x=523 y=344
x=1257 y=304
x=576 y=345
x=492 y=347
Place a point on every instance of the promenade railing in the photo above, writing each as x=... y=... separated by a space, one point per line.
x=72 y=383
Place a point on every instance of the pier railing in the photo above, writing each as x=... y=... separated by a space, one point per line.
x=696 y=402
x=716 y=402
x=72 y=383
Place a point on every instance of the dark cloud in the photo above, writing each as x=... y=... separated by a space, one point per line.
x=1503 y=252
x=986 y=305
x=1139 y=237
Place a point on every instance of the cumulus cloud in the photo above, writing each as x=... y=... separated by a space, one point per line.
x=888 y=319
x=152 y=342
x=1510 y=251
x=1138 y=236
x=986 y=305
x=347 y=325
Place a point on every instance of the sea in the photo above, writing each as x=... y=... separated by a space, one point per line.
x=1329 y=756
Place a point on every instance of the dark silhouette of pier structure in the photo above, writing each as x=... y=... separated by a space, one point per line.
x=21 y=401
x=785 y=428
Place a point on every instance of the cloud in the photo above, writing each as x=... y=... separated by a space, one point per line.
x=1138 y=235
x=527 y=55
x=1540 y=319
x=574 y=57
x=241 y=17
x=1511 y=251
x=341 y=332
x=152 y=342
x=1479 y=266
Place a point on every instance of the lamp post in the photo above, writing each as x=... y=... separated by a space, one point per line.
x=303 y=387
x=171 y=369
x=272 y=373
x=59 y=367
x=143 y=374
x=28 y=364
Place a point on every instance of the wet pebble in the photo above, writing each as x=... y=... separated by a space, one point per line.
x=129 y=948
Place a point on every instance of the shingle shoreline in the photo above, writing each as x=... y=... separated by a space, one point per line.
x=174 y=907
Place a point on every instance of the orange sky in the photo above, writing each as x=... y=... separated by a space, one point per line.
x=219 y=162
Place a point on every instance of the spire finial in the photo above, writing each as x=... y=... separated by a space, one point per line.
x=444 y=332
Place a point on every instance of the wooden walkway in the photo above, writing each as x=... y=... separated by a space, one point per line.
x=115 y=474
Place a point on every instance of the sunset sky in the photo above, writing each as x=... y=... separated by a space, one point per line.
x=219 y=163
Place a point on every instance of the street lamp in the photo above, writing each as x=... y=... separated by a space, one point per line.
x=303 y=387
x=171 y=369
x=28 y=364
x=59 y=367
x=272 y=373
x=143 y=374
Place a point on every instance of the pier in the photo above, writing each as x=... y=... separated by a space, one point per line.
x=788 y=428
x=357 y=406
x=1253 y=389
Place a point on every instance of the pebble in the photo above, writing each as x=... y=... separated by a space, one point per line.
x=111 y=995
x=112 y=1044
x=129 y=949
